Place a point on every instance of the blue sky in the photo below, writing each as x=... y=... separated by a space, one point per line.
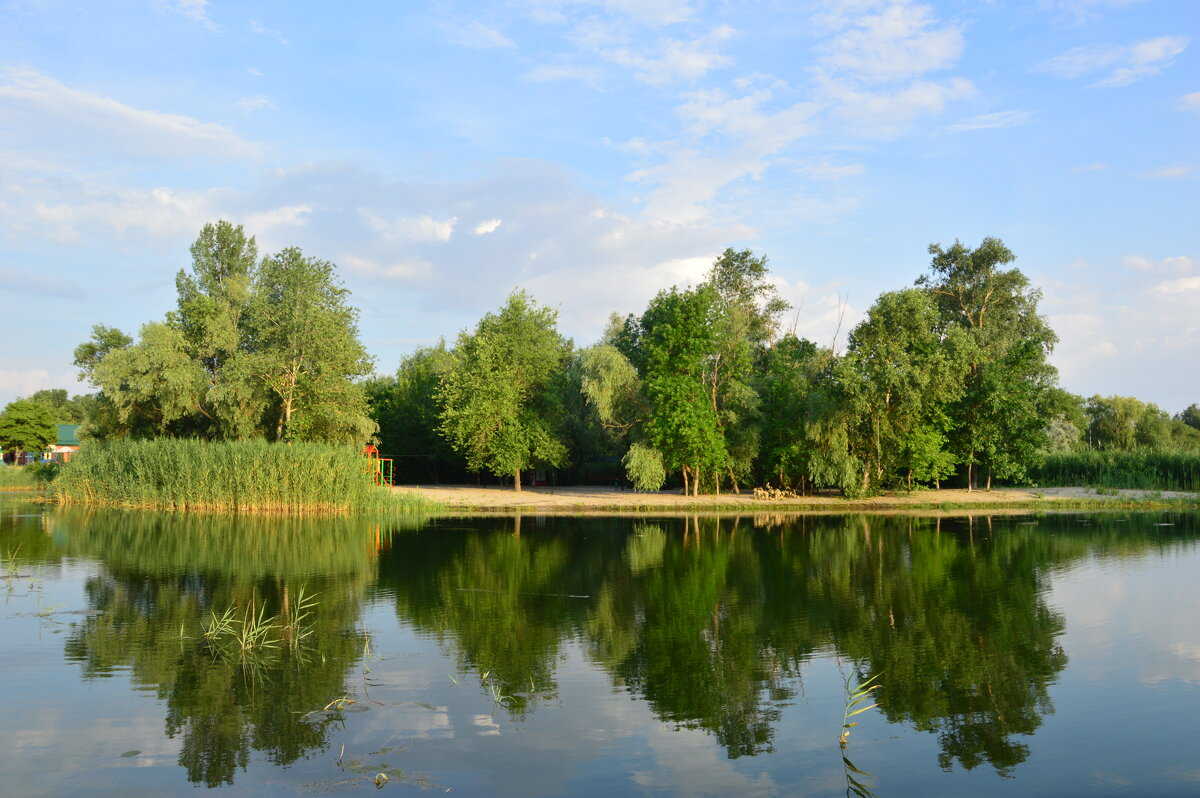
x=594 y=152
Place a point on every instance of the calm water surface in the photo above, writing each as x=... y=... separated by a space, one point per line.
x=551 y=656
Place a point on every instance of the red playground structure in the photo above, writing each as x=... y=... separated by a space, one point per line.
x=380 y=468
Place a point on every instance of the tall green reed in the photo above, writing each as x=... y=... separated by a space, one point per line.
x=224 y=476
x=1144 y=469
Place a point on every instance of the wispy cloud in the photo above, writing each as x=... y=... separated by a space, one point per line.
x=1178 y=170
x=1190 y=102
x=1000 y=119
x=487 y=226
x=1128 y=63
x=262 y=30
x=1095 y=166
x=477 y=36
x=22 y=282
x=45 y=113
x=675 y=60
x=901 y=40
x=195 y=10
x=260 y=103
x=422 y=228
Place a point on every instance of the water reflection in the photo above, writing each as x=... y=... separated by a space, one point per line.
x=166 y=578
x=710 y=622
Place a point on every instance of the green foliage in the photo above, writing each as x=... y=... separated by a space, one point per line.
x=26 y=426
x=1136 y=468
x=227 y=476
x=1190 y=416
x=73 y=410
x=1122 y=422
x=501 y=409
x=306 y=352
x=253 y=350
x=998 y=423
x=645 y=467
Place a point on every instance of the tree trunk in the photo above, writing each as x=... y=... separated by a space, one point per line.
x=717 y=478
x=696 y=481
x=517 y=481
x=970 y=471
x=685 y=479
x=733 y=479
x=989 y=479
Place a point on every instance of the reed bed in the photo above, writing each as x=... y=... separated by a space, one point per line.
x=17 y=478
x=225 y=476
x=1144 y=469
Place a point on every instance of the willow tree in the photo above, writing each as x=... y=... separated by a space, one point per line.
x=501 y=407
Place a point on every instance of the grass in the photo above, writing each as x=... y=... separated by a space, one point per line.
x=227 y=476
x=17 y=478
x=1137 y=469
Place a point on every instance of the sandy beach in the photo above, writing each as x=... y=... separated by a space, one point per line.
x=577 y=500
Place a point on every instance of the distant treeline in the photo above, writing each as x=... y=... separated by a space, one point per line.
x=945 y=381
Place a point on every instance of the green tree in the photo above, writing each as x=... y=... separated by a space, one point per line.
x=1190 y=416
x=500 y=400
x=212 y=316
x=408 y=410
x=26 y=426
x=305 y=351
x=898 y=376
x=676 y=338
x=997 y=424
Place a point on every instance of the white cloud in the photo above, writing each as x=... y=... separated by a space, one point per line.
x=195 y=10
x=1081 y=11
x=286 y=216
x=406 y=271
x=1179 y=170
x=1190 y=102
x=1172 y=264
x=22 y=282
x=477 y=36
x=543 y=73
x=900 y=41
x=1095 y=166
x=675 y=60
x=255 y=27
x=1001 y=119
x=1178 y=286
x=43 y=113
x=22 y=382
x=1129 y=63
x=486 y=226
x=652 y=13
x=420 y=229
x=883 y=114
x=259 y=103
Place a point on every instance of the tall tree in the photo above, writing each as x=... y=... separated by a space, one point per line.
x=305 y=350
x=898 y=375
x=500 y=400
x=676 y=339
x=997 y=424
x=212 y=317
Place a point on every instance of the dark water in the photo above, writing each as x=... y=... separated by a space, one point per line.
x=545 y=656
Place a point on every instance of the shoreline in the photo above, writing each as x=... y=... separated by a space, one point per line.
x=497 y=500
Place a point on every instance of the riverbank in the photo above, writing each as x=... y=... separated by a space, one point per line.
x=474 y=499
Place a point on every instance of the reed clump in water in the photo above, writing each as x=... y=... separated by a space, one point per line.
x=224 y=476
x=17 y=478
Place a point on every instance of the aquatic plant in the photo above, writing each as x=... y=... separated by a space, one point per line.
x=860 y=694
